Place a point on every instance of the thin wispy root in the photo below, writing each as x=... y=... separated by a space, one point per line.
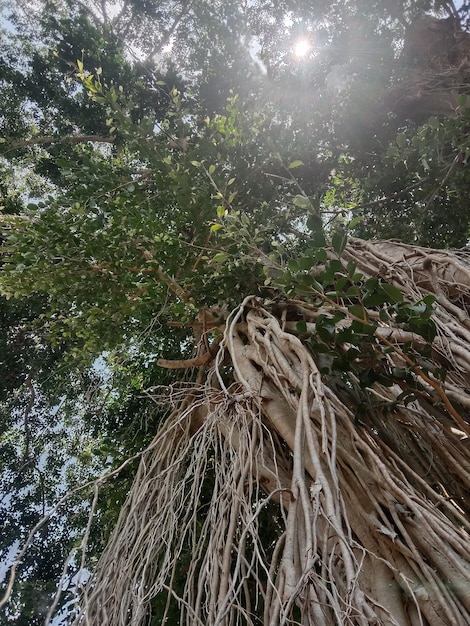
x=370 y=511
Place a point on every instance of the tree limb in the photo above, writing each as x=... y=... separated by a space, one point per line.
x=46 y=141
x=167 y=36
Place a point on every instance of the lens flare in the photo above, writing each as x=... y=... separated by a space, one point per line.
x=301 y=48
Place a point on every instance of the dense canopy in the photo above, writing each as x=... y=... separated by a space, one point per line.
x=235 y=382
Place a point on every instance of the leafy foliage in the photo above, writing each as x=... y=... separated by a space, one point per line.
x=159 y=161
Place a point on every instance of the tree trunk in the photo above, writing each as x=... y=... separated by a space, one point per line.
x=369 y=476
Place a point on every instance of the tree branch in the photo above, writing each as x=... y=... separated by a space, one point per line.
x=27 y=426
x=203 y=359
x=392 y=196
x=46 y=141
x=185 y=363
x=167 y=36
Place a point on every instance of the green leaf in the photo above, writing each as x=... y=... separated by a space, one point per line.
x=351 y=268
x=426 y=328
x=295 y=164
x=220 y=256
x=333 y=267
x=353 y=291
x=362 y=328
x=371 y=283
x=306 y=262
x=314 y=222
x=215 y=227
x=401 y=141
x=384 y=316
x=355 y=221
x=302 y=201
x=325 y=328
x=375 y=299
x=318 y=239
x=393 y=293
x=356 y=310
x=339 y=241
x=211 y=169
x=429 y=300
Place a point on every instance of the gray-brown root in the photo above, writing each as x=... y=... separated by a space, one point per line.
x=372 y=511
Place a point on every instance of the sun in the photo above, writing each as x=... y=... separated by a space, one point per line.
x=301 y=48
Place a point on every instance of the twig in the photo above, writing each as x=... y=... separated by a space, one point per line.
x=46 y=141
x=203 y=359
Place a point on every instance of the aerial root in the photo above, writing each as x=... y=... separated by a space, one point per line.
x=370 y=510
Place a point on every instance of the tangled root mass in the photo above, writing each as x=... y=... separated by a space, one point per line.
x=367 y=483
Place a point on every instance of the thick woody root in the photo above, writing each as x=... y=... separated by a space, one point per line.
x=159 y=525
x=373 y=513
x=370 y=538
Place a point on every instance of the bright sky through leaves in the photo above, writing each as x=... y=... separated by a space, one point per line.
x=302 y=47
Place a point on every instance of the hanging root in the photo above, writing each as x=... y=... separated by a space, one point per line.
x=159 y=523
x=370 y=510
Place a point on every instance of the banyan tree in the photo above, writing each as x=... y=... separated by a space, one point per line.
x=234 y=304
x=339 y=407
